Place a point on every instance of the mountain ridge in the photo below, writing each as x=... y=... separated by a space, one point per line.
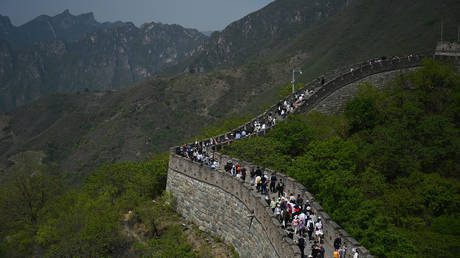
x=92 y=56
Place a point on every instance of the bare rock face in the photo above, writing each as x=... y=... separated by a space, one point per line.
x=257 y=34
x=68 y=53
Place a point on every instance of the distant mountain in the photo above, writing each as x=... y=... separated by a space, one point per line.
x=208 y=33
x=44 y=28
x=68 y=53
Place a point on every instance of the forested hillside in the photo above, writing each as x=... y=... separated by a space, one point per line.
x=121 y=210
x=387 y=170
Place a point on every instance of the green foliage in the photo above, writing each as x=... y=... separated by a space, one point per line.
x=362 y=112
x=39 y=217
x=80 y=224
x=145 y=179
x=263 y=151
x=167 y=238
x=25 y=189
x=387 y=170
x=173 y=243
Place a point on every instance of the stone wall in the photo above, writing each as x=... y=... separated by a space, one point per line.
x=222 y=205
x=331 y=229
x=335 y=102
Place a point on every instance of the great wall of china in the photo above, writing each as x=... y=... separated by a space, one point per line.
x=222 y=204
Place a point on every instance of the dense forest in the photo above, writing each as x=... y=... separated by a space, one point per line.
x=387 y=169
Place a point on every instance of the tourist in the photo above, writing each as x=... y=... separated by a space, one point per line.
x=243 y=174
x=258 y=183
x=335 y=254
x=322 y=251
x=355 y=253
x=295 y=224
x=301 y=244
x=337 y=242
x=263 y=184
x=277 y=212
x=273 y=204
x=310 y=228
x=280 y=188
x=273 y=180
x=342 y=251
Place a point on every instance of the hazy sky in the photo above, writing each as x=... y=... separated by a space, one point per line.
x=200 y=14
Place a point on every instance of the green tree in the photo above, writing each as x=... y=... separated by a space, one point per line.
x=27 y=186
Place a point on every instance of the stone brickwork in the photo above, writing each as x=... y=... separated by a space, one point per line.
x=221 y=205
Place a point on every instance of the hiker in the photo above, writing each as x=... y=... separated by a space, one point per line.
x=310 y=228
x=243 y=174
x=263 y=184
x=253 y=176
x=273 y=204
x=337 y=242
x=258 y=183
x=280 y=188
x=273 y=180
x=301 y=244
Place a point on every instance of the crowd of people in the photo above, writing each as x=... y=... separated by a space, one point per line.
x=200 y=151
x=293 y=212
